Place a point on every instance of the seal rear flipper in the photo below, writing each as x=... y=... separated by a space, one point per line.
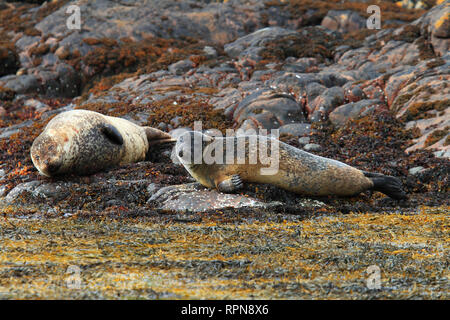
x=388 y=185
x=231 y=184
x=112 y=134
x=155 y=136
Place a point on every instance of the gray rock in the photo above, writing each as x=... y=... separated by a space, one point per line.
x=22 y=84
x=352 y=111
x=304 y=140
x=442 y=154
x=252 y=44
x=312 y=147
x=438 y=32
x=181 y=67
x=193 y=197
x=9 y=131
x=416 y=170
x=269 y=109
x=296 y=129
x=21 y=190
x=326 y=102
x=210 y=52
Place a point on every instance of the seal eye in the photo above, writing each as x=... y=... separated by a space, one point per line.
x=180 y=153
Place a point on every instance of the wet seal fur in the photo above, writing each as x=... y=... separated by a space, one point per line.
x=84 y=142
x=299 y=171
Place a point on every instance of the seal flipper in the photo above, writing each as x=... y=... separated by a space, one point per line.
x=231 y=184
x=112 y=134
x=388 y=185
x=155 y=136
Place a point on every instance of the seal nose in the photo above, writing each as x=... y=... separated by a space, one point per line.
x=52 y=166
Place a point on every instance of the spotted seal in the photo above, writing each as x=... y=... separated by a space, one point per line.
x=84 y=142
x=298 y=171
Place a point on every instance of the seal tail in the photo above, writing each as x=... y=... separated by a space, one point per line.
x=388 y=185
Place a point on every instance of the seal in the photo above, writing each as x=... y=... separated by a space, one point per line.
x=298 y=171
x=84 y=142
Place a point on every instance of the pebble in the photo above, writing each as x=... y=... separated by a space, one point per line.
x=312 y=147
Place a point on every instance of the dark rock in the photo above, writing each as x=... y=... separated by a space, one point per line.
x=251 y=45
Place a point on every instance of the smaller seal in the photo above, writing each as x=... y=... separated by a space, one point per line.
x=225 y=163
x=84 y=142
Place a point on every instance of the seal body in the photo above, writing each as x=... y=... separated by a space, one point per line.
x=83 y=142
x=297 y=171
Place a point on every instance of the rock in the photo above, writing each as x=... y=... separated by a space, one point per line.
x=442 y=154
x=153 y=188
x=3 y=191
x=181 y=67
x=21 y=84
x=312 y=147
x=296 y=129
x=210 y=52
x=436 y=24
x=21 y=190
x=251 y=45
x=414 y=4
x=297 y=82
x=268 y=109
x=300 y=65
x=8 y=131
x=352 y=110
x=6 y=94
x=326 y=102
x=193 y=197
x=343 y=21
x=416 y=170
x=36 y=104
x=313 y=90
x=304 y=140
x=354 y=94
x=9 y=60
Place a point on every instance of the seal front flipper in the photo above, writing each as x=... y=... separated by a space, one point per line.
x=388 y=185
x=230 y=184
x=112 y=134
x=155 y=136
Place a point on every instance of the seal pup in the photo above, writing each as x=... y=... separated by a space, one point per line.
x=298 y=171
x=84 y=142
